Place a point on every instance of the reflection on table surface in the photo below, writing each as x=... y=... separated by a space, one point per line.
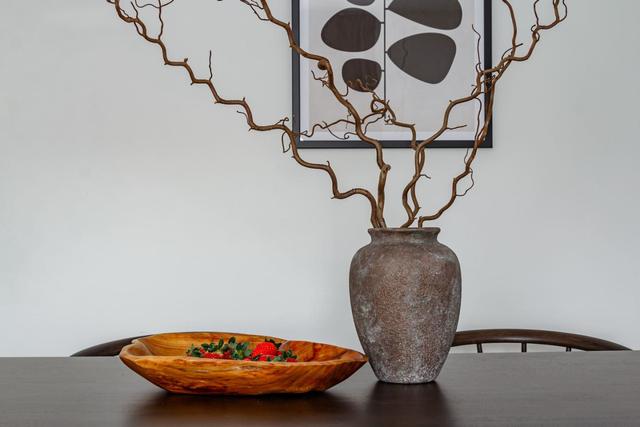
x=372 y=404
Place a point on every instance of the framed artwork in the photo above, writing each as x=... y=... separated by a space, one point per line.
x=417 y=54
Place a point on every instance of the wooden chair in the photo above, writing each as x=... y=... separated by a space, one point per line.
x=528 y=336
x=477 y=338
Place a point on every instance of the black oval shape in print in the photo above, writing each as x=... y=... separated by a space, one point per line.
x=440 y=14
x=427 y=57
x=362 y=74
x=362 y=2
x=351 y=30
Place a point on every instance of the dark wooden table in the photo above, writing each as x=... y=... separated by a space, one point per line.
x=581 y=389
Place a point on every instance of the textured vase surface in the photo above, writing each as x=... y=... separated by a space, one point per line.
x=405 y=290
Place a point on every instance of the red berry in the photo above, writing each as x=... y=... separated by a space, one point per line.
x=265 y=348
x=291 y=359
x=213 y=356
x=265 y=358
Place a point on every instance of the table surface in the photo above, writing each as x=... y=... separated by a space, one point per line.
x=577 y=388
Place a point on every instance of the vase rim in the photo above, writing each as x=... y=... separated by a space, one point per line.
x=427 y=230
x=404 y=235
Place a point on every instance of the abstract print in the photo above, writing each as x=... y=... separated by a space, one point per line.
x=357 y=30
x=374 y=43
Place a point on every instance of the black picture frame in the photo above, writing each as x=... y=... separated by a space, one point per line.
x=488 y=61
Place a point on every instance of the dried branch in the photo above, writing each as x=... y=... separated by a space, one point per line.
x=357 y=124
x=484 y=86
x=143 y=31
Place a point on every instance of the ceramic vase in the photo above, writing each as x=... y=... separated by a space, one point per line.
x=405 y=290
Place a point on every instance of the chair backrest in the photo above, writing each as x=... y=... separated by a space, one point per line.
x=530 y=336
x=477 y=338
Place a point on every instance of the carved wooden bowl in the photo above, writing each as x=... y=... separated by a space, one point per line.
x=162 y=360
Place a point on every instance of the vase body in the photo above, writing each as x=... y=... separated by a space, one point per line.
x=405 y=290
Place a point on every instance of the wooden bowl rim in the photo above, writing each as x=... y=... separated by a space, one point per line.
x=126 y=354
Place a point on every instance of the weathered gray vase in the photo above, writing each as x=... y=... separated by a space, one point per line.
x=405 y=297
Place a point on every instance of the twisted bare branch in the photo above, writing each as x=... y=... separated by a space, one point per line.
x=357 y=124
x=485 y=86
x=142 y=30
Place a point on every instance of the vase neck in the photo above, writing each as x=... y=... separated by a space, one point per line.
x=404 y=235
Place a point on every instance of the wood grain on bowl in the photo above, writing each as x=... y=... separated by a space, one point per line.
x=161 y=359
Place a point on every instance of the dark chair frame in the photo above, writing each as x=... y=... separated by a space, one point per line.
x=477 y=338
x=531 y=336
x=108 y=349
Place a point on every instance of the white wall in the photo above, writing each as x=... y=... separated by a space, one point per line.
x=129 y=204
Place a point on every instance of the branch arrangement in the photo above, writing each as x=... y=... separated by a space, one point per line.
x=482 y=92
